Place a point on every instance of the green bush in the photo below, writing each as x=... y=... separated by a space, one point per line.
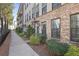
x=56 y=48
x=42 y=38
x=72 y=51
x=30 y=31
x=34 y=39
x=22 y=34
x=18 y=30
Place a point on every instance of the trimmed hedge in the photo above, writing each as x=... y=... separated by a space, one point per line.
x=72 y=51
x=56 y=48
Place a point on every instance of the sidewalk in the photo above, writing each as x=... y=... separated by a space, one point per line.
x=20 y=48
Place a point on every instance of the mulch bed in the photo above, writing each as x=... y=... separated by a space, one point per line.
x=40 y=49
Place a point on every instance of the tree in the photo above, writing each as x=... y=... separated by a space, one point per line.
x=6 y=10
x=30 y=31
x=5 y=19
x=5 y=15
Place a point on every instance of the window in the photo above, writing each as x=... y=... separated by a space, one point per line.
x=37 y=10
x=37 y=14
x=55 y=29
x=29 y=15
x=27 y=5
x=74 y=27
x=33 y=12
x=25 y=18
x=55 y=5
x=44 y=8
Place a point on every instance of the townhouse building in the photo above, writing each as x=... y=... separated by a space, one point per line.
x=54 y=20
x=20 y=17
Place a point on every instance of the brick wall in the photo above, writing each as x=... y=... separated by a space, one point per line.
x=63 y=13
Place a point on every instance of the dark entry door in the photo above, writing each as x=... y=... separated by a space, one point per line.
x=44 y=30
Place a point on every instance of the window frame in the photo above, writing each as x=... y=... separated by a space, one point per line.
x=44 y=23
x=59 y=28
x=56 y=7
x=73 y=28
x=29 y=15
x=37 y=10
x=45 y=6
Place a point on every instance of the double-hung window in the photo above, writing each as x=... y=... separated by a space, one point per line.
x=33 y=12
x=74 y=22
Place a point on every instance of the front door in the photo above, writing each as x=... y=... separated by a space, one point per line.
x=44 y=30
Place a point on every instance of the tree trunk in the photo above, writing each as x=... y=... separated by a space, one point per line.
x=1 y=25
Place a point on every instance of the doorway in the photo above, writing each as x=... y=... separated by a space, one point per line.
x=44 y=33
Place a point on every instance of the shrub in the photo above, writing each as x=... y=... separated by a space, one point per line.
x=30 y=31
x=42 y=38
x=56 y=48
x=72 y=51
x=22 y=34
x=18 y=30
x=34 y=39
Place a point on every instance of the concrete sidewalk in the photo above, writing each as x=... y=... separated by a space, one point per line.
x=20 y=48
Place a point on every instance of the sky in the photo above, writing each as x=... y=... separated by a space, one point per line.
x=15 y=10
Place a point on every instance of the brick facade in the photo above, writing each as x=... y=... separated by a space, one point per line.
x=63 y=13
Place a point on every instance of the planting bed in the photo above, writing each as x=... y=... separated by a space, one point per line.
x=40 y=49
